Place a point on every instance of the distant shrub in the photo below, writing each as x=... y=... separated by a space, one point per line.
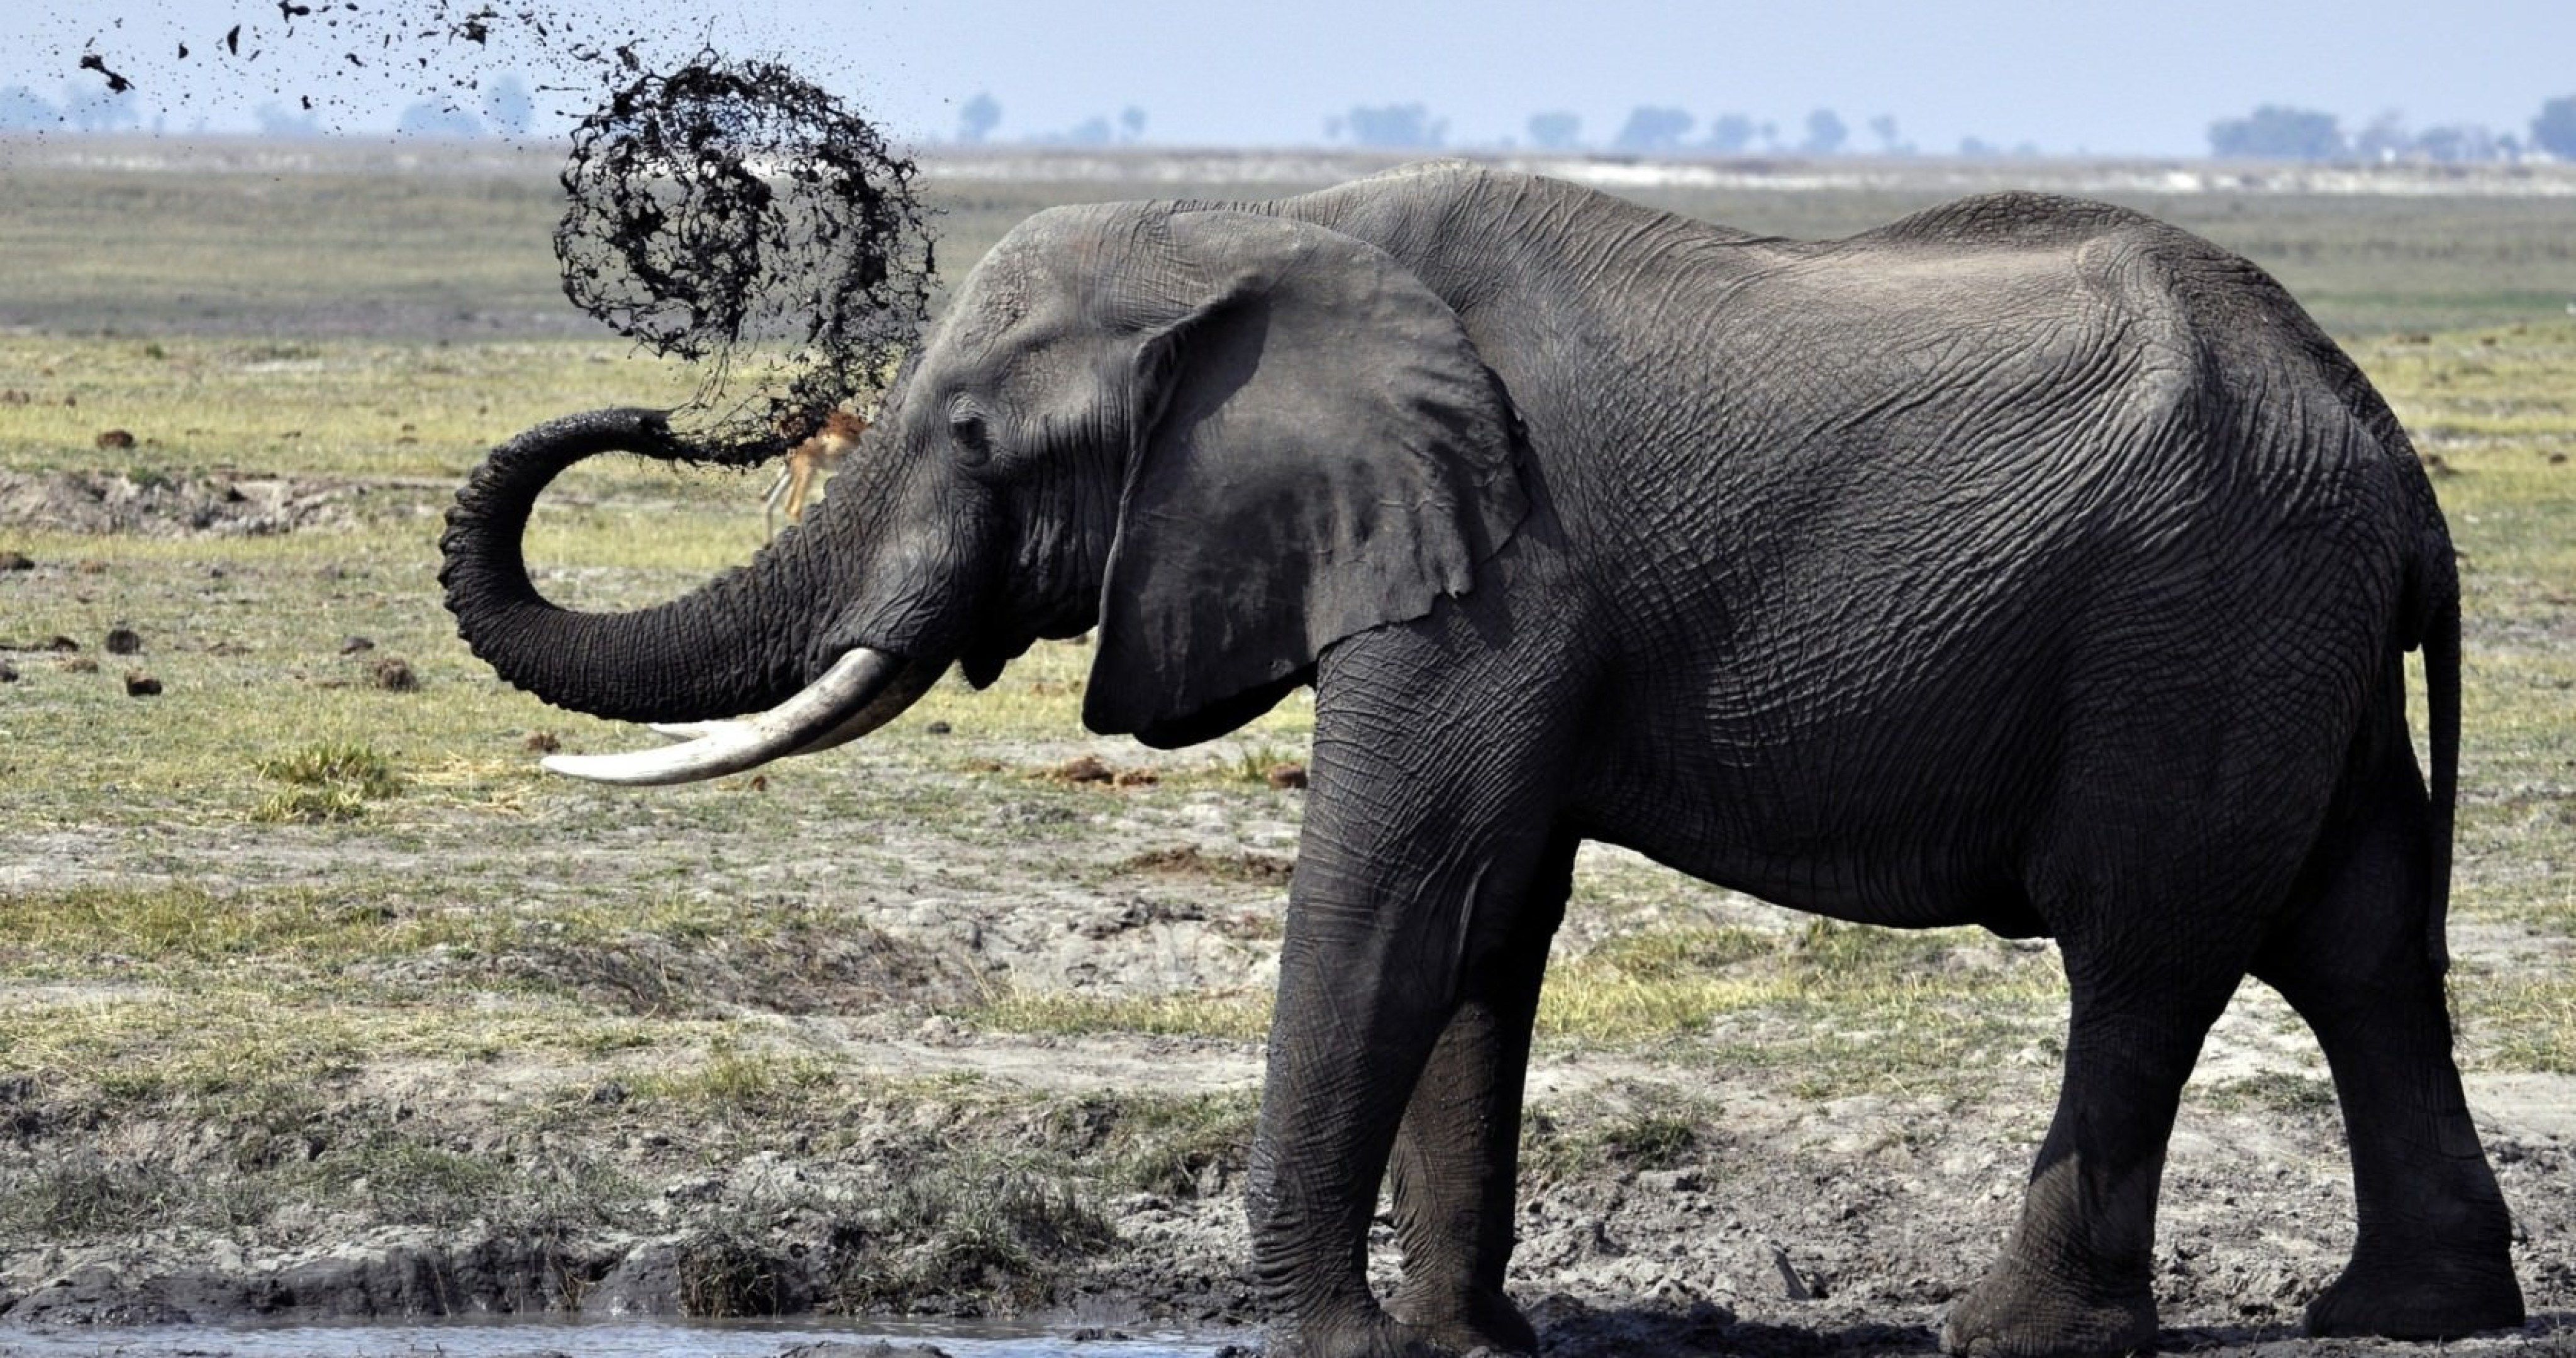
x=2279 y=132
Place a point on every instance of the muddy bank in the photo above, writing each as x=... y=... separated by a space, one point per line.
x=1772 y=1225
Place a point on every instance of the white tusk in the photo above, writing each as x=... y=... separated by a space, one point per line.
x=827 y=708
x=684 y=730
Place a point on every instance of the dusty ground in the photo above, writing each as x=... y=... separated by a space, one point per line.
x=317 y=1001
x=922 y=1027
x=1678 y=1202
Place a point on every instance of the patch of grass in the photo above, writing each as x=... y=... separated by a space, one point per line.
x=1661 y=1136
x=384 y=1165
x=1174 y=1147
x=729 y=1274
x=733 y=1082
x=85 y=1197
x=1237 y=1017
x=183 y=923
x=1007 y=1227
x=2275 y=1092
x=2518 y=1021
x=333 y=780
x=1836 y=1008
x=404 y=1181
x=1190 y=861
x=1254 y=763
x=139 y=1049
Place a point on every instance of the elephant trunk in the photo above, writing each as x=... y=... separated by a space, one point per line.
x=736 y=644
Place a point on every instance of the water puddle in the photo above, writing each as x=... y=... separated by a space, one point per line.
x=538 y=1338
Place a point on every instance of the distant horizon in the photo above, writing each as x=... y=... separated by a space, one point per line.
x=2007 y=74
x=998 y=148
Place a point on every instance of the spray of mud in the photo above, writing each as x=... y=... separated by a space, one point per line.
x=727 y=213
x=736 y=216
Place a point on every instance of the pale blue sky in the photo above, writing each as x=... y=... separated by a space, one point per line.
x=2144 y=77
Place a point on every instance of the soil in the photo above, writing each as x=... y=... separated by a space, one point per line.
x=177 y=505
x=1787 y=1225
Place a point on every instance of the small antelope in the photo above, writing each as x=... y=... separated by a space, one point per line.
x=824 y=451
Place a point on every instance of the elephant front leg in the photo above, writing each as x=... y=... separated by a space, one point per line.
x=1457 y=1153
x=1398 y=899
x=1344 y=1053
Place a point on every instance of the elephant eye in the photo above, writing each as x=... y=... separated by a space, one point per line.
x=973 y=439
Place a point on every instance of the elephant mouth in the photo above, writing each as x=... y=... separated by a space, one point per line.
x=862 y=691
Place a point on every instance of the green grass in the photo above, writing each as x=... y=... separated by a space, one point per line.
x=1236 y=1017
x=329 y=781
x=605 y=989
x=455 y=246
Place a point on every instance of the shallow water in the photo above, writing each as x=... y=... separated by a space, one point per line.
x=579 y=1338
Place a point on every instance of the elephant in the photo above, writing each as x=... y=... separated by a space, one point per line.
x=2027 y=563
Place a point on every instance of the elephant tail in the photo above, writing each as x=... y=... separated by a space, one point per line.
x=2440 y=584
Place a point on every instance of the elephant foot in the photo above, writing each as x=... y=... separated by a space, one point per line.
x=2017 y=1312
x=1481 y=1320
x=2444 y=1297
x=1374 y=1335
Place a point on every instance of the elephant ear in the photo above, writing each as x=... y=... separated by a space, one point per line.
x=1319 y=450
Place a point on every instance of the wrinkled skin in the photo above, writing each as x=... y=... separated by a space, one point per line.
x=2025 y=563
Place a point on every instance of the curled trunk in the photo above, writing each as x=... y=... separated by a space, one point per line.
x=736 y=644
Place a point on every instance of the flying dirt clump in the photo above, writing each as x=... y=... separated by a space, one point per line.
x=737 y=216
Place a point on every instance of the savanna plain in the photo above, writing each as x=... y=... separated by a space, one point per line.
x=319 y=1001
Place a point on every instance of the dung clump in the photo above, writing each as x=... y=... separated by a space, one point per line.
x=393 y=674
x=736 y=216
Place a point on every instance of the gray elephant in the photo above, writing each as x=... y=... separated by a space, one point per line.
x=2026 y=563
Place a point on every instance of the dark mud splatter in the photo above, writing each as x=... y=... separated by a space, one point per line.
x=116 y=84
x=728 y=213
x=737 y=216
x=438 y=51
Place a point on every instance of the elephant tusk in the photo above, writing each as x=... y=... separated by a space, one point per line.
x=852 y=698
x=899 y=696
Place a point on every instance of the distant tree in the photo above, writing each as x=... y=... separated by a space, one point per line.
x=277 y=120
x=427 y=119
x=1556 y=130
x=1825 y=133
x=977 y=118
x=1653 y=130
x=1092 y=131
x=1883 y=127
x=507 y=107
x=1977 y=147
x=92 y=108
x=1395 y=126
x=2278 y=132
x=2384 y=139
x=2554 y=130
x=1729 y=133
x=1131 y=123
x=24 y=110
x=2458 y=144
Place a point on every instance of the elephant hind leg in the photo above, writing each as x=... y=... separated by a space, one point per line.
x=2432 y=1257
x=2156 y=932
x=2075 y=1276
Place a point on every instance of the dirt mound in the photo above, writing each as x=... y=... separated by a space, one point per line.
x=175 y=505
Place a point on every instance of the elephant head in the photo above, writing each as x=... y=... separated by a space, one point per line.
x=1226 y=439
